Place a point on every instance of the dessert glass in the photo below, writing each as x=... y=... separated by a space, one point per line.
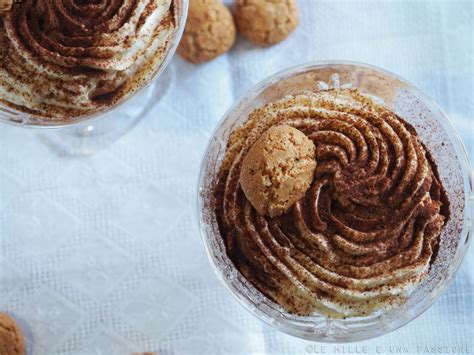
x=435 y=131
x=89 y=133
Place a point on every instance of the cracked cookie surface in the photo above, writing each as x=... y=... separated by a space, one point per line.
x=278 y=170
x=210 y=31
x=11 y=338
x=266 y=22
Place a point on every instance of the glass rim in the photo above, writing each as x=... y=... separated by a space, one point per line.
x=281 y=324
x=6 y=112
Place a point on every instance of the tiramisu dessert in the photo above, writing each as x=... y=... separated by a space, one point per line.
x=328 y=203
x=67 y=58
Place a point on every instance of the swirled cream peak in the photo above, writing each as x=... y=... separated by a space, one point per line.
x=364 y=234
x=278 y=170
x=65 y=58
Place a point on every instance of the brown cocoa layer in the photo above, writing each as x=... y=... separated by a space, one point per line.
x=364 y=235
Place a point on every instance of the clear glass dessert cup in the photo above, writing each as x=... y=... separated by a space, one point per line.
x=435 y=131
x=89 y=133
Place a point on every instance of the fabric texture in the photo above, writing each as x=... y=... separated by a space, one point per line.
x=102 y=254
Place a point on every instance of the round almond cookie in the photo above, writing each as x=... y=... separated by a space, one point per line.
x=266 y=22
x=278 y=170
x=11 y=337
x=210 y=31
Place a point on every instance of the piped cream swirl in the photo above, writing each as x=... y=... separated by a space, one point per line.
x=68 y=58
x=364 y=235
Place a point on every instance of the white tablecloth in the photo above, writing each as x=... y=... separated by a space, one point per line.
x=102 y=254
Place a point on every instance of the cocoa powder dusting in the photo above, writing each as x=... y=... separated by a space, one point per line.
x=74 y=60
x=366 y=232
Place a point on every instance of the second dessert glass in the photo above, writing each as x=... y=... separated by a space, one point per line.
x=435 y=131
x=87 y=134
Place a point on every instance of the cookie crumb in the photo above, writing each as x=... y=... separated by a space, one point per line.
x=5 y=5
x=210 y=31
x=266 y=22
x=11 y=337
